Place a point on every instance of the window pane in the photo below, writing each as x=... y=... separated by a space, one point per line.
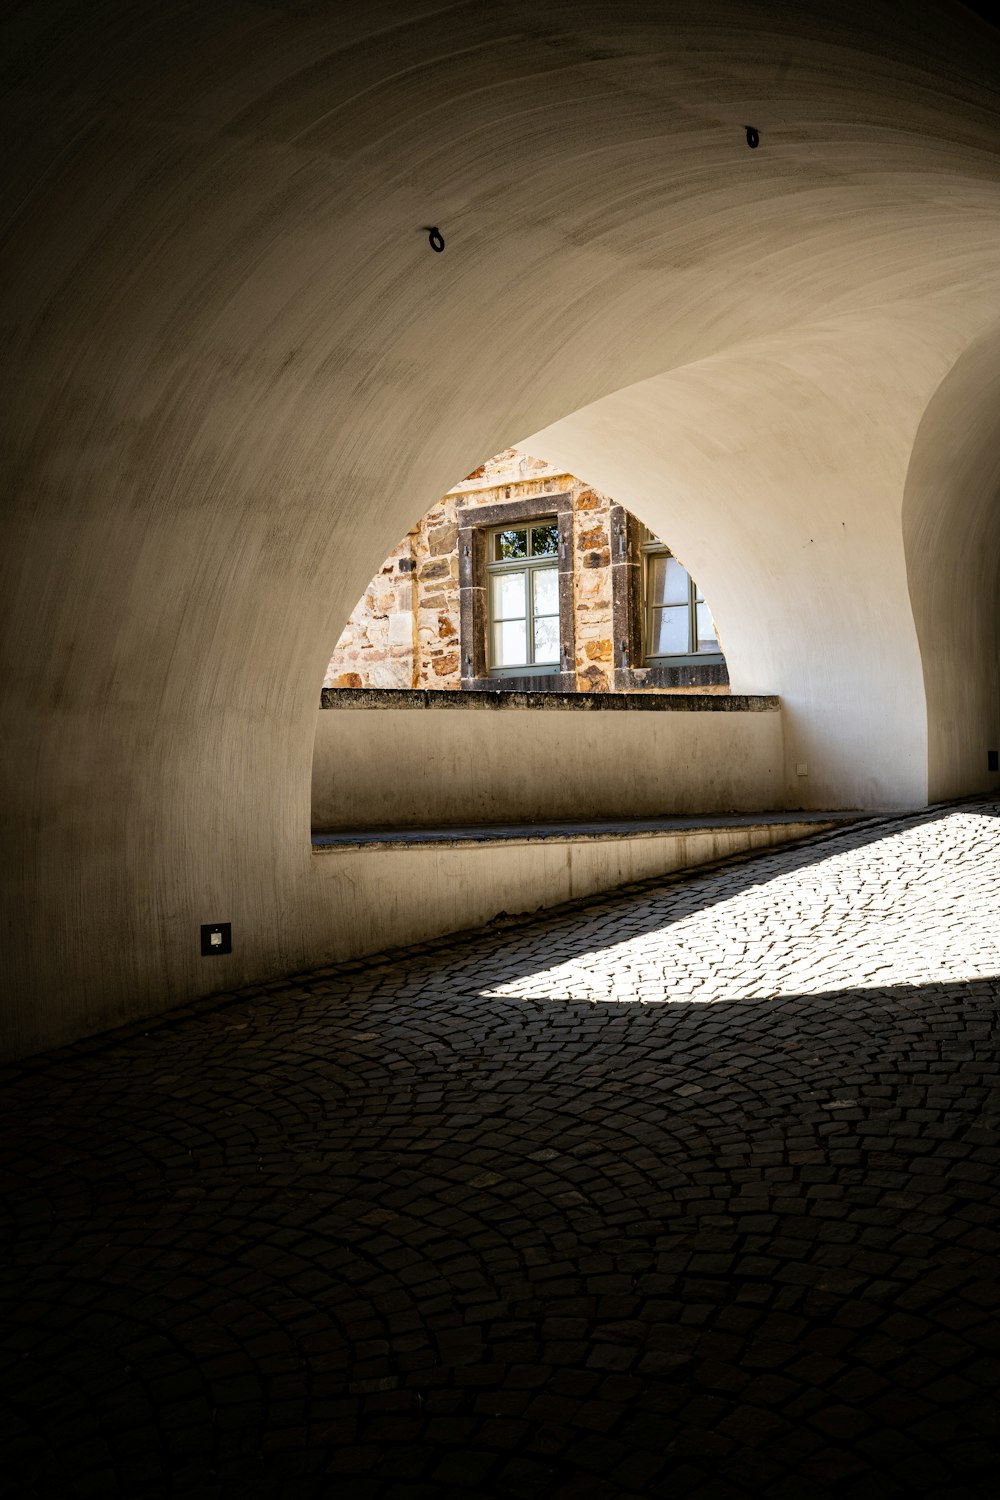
x=509 y=598
x=510 y=644
x=545 y=586
x=656 y=577
x=545 y=540
x=547 y=638
x=676 y=587
x=670 y=631
x=667 y=581
x=511 y=544
x=707 y=638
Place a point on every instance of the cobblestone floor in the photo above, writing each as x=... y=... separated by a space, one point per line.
x=691 y=1191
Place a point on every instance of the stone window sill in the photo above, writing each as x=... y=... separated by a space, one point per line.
x=396 y=698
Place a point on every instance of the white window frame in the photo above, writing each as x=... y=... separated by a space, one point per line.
x=650 y=549
x=527 y=565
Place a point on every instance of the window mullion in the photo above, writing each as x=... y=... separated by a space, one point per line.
x=650 y=607
x=648 y=611
x=529 y=612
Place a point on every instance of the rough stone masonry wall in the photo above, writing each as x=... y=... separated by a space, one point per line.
x=404 y=631
x=592 y=596
x=376 y=647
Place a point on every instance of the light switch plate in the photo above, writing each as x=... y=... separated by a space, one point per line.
x=216 y=937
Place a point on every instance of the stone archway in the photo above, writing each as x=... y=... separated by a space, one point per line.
x=231 y=377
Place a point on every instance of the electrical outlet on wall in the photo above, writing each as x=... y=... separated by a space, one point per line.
x=216 y=937
x=802 y=769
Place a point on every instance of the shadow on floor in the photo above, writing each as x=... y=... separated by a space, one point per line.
x=368 y=1237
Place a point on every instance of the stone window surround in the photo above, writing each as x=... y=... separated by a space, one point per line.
x=627 y=619
x=474 y=526
x=629 y=673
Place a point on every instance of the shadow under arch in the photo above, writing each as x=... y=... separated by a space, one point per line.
x=951 y=539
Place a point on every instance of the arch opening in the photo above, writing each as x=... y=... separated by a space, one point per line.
x=525 y=583
x=570 y=592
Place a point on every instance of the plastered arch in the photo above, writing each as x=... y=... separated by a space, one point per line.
x=951 y=534
x=778 y=471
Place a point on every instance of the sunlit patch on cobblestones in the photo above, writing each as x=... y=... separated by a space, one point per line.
x=915 y=906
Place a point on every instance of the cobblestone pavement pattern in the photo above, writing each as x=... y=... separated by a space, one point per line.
x=526 y=1217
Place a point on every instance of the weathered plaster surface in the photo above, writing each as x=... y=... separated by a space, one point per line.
x=519 y=764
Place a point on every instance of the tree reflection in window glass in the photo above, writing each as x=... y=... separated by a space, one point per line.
x=545 y=591
x=547 y=638
x=508 y=596
x=511 y=544
x=545 y=540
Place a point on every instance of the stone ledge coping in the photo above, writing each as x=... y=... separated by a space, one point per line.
x=754 y=703
x=535 y=833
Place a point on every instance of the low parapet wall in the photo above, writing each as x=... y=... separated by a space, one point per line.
x=421 y=759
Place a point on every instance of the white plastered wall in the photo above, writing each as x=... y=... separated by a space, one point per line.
x=235 y=373
x=777 y=472
x=511 y=765
x=951 y=532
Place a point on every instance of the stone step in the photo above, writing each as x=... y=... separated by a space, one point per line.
x=792 y=824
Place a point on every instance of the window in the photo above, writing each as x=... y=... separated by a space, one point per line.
x=516 y=629
x=523 y=573
x=678 y=624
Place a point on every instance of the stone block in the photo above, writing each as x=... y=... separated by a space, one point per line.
x=390 y=674
x=401 y=628
x=442 y=541
x=600 y=650
x=592 y=680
